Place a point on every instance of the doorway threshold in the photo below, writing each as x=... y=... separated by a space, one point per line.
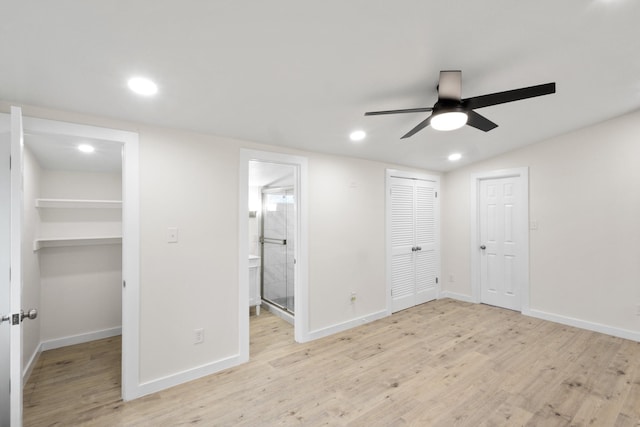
x=278 y=312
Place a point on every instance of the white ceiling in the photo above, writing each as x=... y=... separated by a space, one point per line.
x=60 y=152
x=301 y=74
x=263 y=174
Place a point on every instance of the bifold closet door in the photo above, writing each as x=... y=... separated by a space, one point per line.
x=414 y=245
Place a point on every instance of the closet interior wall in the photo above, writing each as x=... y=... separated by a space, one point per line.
x=79 y=285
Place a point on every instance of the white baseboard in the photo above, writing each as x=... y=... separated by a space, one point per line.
x=558 y=318
x=456 y=296
x=28 y=369
x=584 y=324
x=287 y=317
x=79 y=339
x=63 y=342
x=334 y=329
x=185 y=376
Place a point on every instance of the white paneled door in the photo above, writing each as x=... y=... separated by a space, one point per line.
x=11 y=144
x=414 y=242
x=5 y=262
x=500 y=243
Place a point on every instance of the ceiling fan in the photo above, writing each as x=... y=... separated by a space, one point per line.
x=452 y=112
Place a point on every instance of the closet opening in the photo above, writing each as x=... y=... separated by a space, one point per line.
x=69 y=247
x=72 y=252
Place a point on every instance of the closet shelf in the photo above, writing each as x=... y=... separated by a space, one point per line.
x=78 y=203
x=75 y=241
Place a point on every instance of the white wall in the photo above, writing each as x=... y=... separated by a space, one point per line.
x=81 y=286
x=190 y=181
x=346 y=239
x=585 y=195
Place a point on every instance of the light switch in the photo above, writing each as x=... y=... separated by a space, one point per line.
x=533 y=225
x=172 y=235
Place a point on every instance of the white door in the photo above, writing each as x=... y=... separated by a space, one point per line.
x=5 y=262
x=426 y=253
x=11 y=272
x=414 y=249
x=500 y=244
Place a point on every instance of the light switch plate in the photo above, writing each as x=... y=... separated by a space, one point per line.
x=172 y=235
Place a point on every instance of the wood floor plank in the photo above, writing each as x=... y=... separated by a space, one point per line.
x=444 y=363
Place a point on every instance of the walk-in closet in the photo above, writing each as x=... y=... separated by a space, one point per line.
x=72 y=237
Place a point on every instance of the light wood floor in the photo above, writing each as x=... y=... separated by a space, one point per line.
x=443 y=363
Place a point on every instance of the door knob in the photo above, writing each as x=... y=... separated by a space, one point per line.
x=31 y=314
x=418 y=248
x=483 y=247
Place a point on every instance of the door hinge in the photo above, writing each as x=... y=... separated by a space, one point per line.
x=436 y=194
x=124 y=283
x=436 y=280
x=9 y=162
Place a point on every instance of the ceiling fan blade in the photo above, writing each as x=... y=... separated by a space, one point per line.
x=450 y=85
x=509 y=96
x=479 y=122
x=423 y=124
x=407 y=110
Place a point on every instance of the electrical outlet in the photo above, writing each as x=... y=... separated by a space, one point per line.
x=452 y=278
x=198 y=336
x=172 y=235
x=353 y=297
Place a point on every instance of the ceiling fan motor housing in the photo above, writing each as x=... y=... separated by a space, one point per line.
x=448 y=106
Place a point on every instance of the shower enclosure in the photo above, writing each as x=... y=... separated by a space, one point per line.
x=278 y=244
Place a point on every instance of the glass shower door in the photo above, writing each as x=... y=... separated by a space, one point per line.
x=278 y=228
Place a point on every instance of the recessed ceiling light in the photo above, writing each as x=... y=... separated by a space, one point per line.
x=142 y=86
x=86 y=148
x=357 y=135
x=454 y=157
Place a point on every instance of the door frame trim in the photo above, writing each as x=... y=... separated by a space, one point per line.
x=394 y=173
x=130 y=236
x=301 y=285
x=523 y=271
x=16 y=375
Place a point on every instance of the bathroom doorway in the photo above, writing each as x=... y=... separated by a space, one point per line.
x=272 y=231
x=284 y=177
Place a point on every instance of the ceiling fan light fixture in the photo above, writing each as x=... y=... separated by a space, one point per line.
x=449 y=120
